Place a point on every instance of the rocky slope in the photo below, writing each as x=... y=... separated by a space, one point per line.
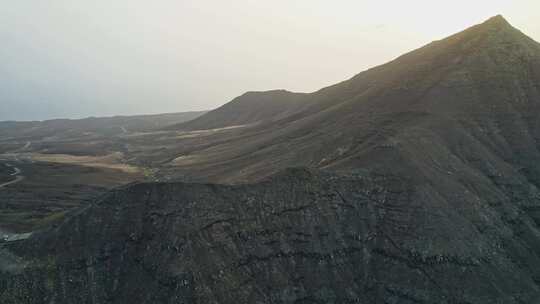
x=299 y=237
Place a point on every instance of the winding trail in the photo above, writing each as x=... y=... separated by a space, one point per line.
x=17 y=175
x=16 y=180
x=7 y=261
x=27 y=145
x=17 y=171
x=8 y=236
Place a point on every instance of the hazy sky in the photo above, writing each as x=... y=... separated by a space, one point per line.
x=77 y=58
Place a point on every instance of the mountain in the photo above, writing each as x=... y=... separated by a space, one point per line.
x=423 y=188
x=481 y=84
x=250 y=108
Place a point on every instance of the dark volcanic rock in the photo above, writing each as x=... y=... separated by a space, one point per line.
x=300 y=237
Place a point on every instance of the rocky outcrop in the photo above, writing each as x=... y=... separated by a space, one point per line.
x=299 y=237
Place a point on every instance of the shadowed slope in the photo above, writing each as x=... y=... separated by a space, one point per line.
x=300 y=236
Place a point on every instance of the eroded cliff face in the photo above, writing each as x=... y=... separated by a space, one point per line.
x=299 y=237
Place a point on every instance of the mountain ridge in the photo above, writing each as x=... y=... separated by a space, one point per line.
x=497 y=26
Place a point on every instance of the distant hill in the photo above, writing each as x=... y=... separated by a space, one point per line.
x=102 y=125
x=250 y=108
x=87 y=136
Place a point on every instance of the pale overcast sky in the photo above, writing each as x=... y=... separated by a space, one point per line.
x=75 y=58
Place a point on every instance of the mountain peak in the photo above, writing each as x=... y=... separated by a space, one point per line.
x=496 y=21
x=500 y=31
x=490 y=33
x=497 y=18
